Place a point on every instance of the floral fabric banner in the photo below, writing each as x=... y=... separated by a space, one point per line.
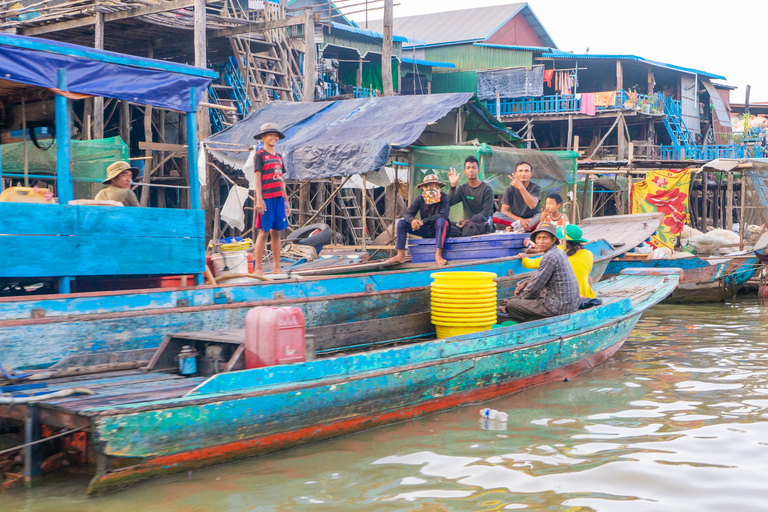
x=666 y=192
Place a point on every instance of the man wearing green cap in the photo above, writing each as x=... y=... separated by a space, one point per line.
x=553 y=290
x=120 y=175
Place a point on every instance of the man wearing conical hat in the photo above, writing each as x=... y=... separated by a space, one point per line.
x=120 y=175
x=433 y=208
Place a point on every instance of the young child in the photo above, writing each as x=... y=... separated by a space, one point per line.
x=271 y=209
x=552 y=213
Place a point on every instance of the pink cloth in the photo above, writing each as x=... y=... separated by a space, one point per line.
x=587 y=104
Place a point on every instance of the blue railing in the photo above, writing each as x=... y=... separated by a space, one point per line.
x=364 y=92
x=569 y=103
x=712 y=152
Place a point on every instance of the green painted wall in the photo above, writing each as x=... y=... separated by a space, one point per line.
x=462 y=81
x=468 y=57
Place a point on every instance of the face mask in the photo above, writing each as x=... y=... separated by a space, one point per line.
x=431 y=196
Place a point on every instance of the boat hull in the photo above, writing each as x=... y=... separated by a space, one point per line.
x=216 y=430
x=700 y=282
x=41 y=342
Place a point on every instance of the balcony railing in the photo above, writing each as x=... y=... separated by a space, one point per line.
x=571 y=103
x=712 y=152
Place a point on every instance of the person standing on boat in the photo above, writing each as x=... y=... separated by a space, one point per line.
x=520 y=202
x=120 y=175
x=475 y=196
x=553 y=289
x=272 y=211
x=433 y=208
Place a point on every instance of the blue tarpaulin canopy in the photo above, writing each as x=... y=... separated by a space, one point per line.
x=82 y=70
x=346 y=137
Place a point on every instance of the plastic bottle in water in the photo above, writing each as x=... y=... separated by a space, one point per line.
x=493 y=414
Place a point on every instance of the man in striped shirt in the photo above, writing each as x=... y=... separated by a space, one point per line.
x=271 y=209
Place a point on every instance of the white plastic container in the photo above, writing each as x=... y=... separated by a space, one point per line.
x=234 y=262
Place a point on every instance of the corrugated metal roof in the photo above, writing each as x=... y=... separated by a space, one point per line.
x=371 y=33
x=511 y=47
x=556 y=54
x=420 y=62
x=470 y=25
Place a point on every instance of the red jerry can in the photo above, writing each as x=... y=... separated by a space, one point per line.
x=274 y=336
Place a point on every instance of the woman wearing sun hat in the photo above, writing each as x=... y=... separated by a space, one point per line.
x=581 y=260
x=120 y=175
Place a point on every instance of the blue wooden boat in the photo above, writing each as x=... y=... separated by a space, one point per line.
x=41 y=331
x=703 y=280
x=141 y=425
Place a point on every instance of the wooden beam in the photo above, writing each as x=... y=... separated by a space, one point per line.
x=600 y=144
x=98 y=101
x=386 y=50
x=156 y=146
x=255 y=27
x=145 y=192
x=729 y=203
x=619 y=76
x=310 y=58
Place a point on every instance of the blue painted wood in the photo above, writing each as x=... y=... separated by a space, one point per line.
x=42 y=342
x=194 y=185
x=99 y=240
x=64 y=187
x=242 y=405
x=137 y=300
x=104 y=56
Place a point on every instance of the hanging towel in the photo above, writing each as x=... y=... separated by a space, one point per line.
x=202 y=172
x=548 y=76
x=587 y=104
x=232 y=211
x=605 y=99
x=249 y=169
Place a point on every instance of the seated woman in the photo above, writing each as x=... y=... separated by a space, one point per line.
x=120 y=175
x=581 y=260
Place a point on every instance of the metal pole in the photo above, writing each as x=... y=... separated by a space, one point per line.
x=24 y=140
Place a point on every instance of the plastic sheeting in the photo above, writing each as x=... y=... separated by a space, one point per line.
x=511 y=83
x=98 y=73
x=553 y=171
x=340 y=138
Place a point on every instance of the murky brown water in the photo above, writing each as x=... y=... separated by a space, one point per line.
x=676 y=421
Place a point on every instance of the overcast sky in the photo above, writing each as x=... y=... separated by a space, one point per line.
x=723 y=38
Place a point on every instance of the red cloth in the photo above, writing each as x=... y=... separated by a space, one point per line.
x=587 y=104
x=548 y=76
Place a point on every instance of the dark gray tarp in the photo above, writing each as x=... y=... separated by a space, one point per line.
x=339 y=138
x=511 y=83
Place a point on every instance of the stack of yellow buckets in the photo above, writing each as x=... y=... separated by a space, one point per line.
x=463 y=302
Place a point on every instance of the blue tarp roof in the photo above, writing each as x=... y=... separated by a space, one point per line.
x=556 y=54
x=345 y=137
x=420 y=62
x=33 y=61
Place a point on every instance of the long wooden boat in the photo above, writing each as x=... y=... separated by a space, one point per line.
x=703 y=280
x=36 y=333
x=145 y=424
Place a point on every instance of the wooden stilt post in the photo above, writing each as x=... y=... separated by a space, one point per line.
x=386 y=49
x=33 y=453
x=359 y=77
x=498 y=106
x=98 y=101
x=575 y=191
x=365 y=209
x=742 y=216
x=729 y=202
x=704 y=200
x=310 y=57
x=570 y=131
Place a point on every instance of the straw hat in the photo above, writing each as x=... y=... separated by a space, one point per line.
x=269 y=128
x=432 y=178
x=571 y=233
x=114 y=170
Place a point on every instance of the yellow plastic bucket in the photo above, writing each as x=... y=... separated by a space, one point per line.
x=463 y=302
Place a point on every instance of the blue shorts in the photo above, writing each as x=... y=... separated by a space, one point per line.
x=274 y=217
